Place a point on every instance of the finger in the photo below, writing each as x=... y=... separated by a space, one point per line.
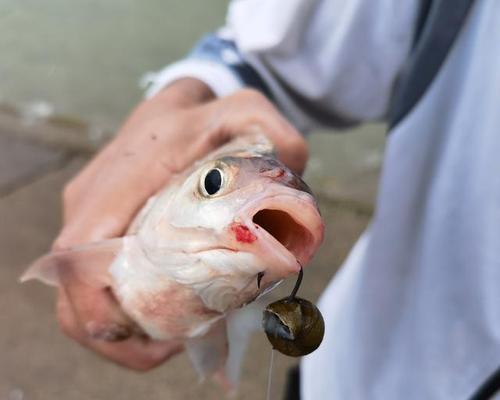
x=66 y=318
x=122 y=163
x=137 y=352
x=97 y=311
x=113 y=192
x=106 y=195
x=249 y=110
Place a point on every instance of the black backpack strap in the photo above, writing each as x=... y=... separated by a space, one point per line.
x=438 y=25
x=292 y=388
x=489 y=387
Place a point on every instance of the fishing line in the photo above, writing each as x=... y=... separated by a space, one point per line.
x=270 y=376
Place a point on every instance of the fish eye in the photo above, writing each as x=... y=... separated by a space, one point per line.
x=213 y=182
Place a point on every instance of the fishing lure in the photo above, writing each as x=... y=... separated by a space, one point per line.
x=294 y=326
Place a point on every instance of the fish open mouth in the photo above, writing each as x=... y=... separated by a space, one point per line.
x=290 y=233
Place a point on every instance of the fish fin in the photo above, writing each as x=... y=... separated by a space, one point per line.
x=88 y=263
x=208 y=353
x=141 y=216
x=241 y=324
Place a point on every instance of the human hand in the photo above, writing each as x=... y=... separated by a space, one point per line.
x=162 y=136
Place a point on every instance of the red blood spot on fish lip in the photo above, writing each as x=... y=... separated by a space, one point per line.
x=243 y=234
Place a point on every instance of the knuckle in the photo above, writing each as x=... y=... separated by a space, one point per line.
x=253 y=96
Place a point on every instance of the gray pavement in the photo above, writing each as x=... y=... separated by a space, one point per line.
x=38 y=363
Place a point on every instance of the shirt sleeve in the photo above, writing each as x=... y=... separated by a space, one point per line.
x=324 y=63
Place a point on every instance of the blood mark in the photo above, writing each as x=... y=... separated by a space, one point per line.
x=243 y=234
x=273 y=173
x=280 y=173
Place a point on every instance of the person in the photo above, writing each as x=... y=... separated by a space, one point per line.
x=413 y=312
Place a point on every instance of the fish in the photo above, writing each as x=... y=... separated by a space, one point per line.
x=200 y=252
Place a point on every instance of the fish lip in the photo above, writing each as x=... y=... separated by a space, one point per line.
x=300 y=206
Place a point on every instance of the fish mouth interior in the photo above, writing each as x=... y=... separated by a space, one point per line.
x=292 y=235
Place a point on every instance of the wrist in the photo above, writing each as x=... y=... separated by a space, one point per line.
x=185 y=92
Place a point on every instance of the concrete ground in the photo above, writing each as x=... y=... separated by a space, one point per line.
x=38 y=363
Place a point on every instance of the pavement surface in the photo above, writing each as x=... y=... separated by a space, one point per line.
x=37 y=362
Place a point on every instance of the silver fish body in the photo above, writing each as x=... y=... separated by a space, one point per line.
x=189 y=263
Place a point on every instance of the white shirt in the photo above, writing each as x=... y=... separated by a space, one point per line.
x=414 y=312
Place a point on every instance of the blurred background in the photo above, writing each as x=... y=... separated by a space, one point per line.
x=70 y=71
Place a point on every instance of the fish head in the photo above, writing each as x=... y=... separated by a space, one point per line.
x=243 y=217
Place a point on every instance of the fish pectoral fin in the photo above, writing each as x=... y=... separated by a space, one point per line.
x=208 y=353
x=219 y=353
x=241 y=324
x=88 y=263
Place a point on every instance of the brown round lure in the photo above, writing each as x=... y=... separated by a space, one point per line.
x=294 y=326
